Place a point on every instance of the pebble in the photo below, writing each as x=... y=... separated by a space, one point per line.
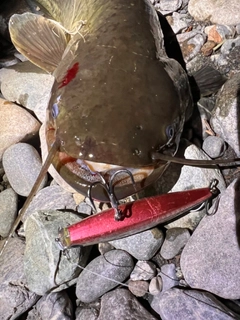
x=138 y=287
x=230 y=45
x=8 y=210
x=143 y=245
x=11 y=129
x=55 y=306
x=15 y=297
x=22 y=171
x=51 y=198
x=218 y=33
x=103 y=274
x=191 y=43
x=168 y=6
x=175 y=240
x=143 y=270
x=224 y=119
x=44 y=266
x=88 y=313
x=155 y=286
x=27 y=85
x=213 y=249
x=121 y=304
x=178 y=22
x=188 y=305
x=214 y=146
x=168 y=275
x=218 y=12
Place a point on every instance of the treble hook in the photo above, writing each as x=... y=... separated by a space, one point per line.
x=109 y=187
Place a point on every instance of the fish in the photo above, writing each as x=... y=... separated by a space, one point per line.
x=117 y=96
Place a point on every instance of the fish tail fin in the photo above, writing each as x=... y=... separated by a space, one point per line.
x=205 y=81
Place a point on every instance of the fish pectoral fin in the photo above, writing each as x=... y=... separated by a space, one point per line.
x=67 y=12
x=39 y=39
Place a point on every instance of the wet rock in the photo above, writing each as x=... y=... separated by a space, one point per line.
x=213 y=249
x=121 y=304
x=15 y=297
x=191 y=43
x=11 y=129
x=187 y=305
x=8 y=210
x=51 y=198
x=214 y=146
x=225 y=116
x=175 y=240
x=143 y=270
x=22 y=171
x=55 y=306
x=27 y=85
x=138 y=287
x=168 y=6
x=143 y=245
x=46 y=268
x=103 y=274
x=219 y=12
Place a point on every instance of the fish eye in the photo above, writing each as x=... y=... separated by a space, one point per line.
x=170 y=131
x=55 y=110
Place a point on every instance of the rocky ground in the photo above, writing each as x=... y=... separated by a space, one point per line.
x=188 y=269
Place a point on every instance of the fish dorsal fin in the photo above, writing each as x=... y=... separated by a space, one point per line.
x=68 y=13
x=39 y=39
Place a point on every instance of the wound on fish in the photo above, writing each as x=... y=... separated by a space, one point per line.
x=70 y=75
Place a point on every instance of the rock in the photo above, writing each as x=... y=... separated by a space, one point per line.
x=138 y=287
x=11 y=129
x=168 y=275
x=155 y=286
x=224 y=119
x=191 y=43
x=175 y=240
x=214 y=146
x=213 y=249
x=230 y=45
x=86 y=313
x=45 y=267
x=51 y=198
x=178 y=22
x=27 y=85
x=168 y=6
x=218 y=12
x=143 y=270
x=143 y=245
x=8 y=210
x=218 y=33
x=187 y=305
x=55 y=306
x=103 y=274
x=15 y=297
x=22 y=165
x=121 y=304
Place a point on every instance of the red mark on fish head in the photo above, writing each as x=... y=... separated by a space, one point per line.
x=70 y=75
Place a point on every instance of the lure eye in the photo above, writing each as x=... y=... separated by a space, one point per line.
x=55 y=110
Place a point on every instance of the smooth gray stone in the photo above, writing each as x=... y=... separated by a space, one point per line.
x=45 y=266
x=103 y=274
x=211 y=258
x=121 y=304
x=8 y=210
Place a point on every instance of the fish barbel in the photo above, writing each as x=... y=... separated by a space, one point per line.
x=117 y=97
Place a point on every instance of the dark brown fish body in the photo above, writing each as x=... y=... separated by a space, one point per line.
x=117 y=97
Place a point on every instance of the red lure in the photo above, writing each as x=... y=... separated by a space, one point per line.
x=138 y=216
